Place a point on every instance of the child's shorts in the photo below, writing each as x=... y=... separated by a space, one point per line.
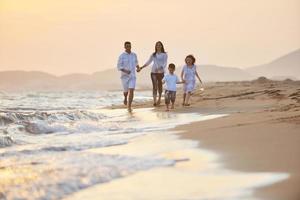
x=170 y=96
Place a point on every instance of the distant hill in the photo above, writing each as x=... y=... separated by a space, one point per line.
x=103 y=80
x=287 y=66
x=282 y=68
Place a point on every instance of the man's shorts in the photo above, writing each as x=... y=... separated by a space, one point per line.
x=128 y=83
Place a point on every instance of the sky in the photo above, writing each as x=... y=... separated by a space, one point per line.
x=85 y=36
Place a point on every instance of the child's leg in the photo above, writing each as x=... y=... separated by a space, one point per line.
x=167 y=99
x=184 y=96
x=173 y=97
x=188 y=95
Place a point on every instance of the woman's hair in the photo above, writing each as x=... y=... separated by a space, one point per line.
x=191 y=57
x=162 y=48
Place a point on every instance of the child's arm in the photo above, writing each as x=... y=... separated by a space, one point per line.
x=182 y=75
x=198 y=76
x=178 y=81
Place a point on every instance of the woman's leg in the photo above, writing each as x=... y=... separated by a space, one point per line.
x=154 y=86
x=159 y=76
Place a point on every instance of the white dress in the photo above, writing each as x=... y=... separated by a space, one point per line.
x=189 y=75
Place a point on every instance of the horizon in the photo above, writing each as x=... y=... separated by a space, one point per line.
x=63 y=37
x=91 y=73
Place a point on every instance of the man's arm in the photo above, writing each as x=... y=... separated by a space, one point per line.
x=120 y=65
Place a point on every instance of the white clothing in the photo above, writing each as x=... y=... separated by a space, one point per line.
x=129 y=62
x=171 y=81
x=159 y=62
x=128 y=83
x=189 y=75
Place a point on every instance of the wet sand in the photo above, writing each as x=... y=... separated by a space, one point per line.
x=261 y=135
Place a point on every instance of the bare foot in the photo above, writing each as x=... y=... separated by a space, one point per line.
x=172 y=107
x=129 y=110
x=158 y=102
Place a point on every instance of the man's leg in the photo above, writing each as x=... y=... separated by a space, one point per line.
x=125 y=89
x=131 y=94
x=125 y=98
x=131 y=87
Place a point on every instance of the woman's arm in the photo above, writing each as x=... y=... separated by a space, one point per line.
x=147 y=63
x=165 y=62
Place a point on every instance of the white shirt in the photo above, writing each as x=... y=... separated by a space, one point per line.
x=159 y=62
x=171 y=81
x=129 y=62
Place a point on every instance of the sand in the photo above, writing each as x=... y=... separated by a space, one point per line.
x=262 y=133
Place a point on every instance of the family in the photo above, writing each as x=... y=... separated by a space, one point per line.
x=128 y=65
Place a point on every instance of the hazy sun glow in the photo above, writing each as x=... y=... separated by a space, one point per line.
x=64 y=36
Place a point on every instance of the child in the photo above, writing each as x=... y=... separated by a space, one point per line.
x=171 y=80
x=188 y=75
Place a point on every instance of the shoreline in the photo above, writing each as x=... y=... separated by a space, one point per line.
x=261 y=134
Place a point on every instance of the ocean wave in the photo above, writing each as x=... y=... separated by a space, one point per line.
x=8 y=117
x=71 y=172
x=6 y=141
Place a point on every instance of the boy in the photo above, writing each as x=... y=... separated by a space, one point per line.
x=171 y=80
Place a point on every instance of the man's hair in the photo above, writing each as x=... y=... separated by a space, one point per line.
x=172 y=66
x=127 y=42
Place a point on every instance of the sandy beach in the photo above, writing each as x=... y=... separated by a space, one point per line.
x=261 y=134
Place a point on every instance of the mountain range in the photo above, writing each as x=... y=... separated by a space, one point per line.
x=287 y=66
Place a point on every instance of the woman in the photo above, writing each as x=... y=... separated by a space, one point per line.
x=159 y=59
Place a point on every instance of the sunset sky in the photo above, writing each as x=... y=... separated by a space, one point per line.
x=70 y=36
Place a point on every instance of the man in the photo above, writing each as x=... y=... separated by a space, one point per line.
x=127 y=64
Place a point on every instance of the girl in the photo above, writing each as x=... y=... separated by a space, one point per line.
x=188 y=75
x=159 y=59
